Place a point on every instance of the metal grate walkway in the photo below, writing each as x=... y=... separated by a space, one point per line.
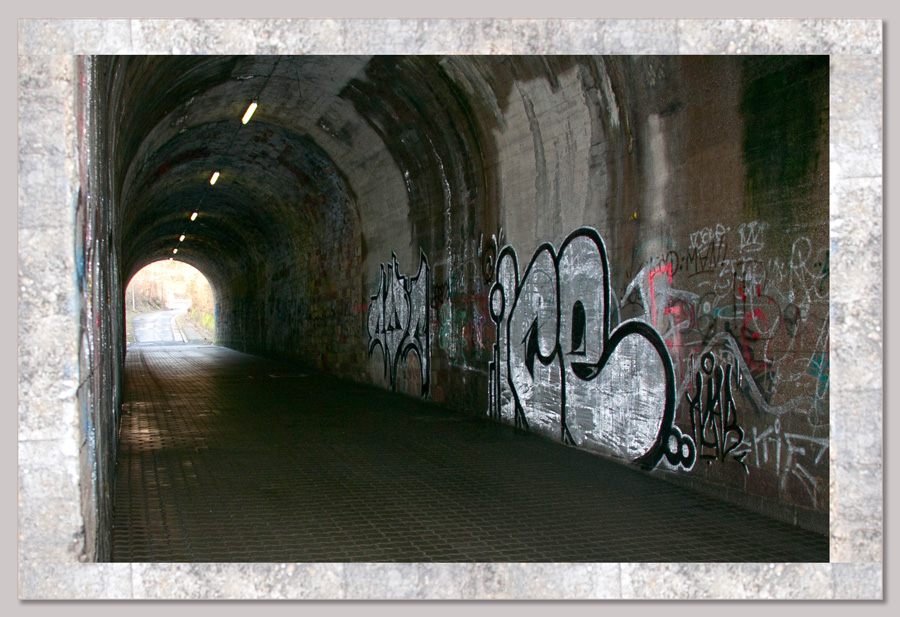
x=227 y=457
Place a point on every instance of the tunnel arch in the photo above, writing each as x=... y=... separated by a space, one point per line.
x=166 y=285
x=362 y=169
x=392 y=155
x=325 y=137
x=278 y=198
x=178 y=262
x=352 y=160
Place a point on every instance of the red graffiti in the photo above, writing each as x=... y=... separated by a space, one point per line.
x=749 y=335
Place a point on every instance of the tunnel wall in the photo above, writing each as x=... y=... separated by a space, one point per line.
x=71 y=341
x=102 y=312
x=49 y=324
x=298 y=298
x=627 y=254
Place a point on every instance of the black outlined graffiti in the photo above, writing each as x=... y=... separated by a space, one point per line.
x=713 y=414
x=771 y=310
x=397 y=320
x=558 y=369
x=488 y=252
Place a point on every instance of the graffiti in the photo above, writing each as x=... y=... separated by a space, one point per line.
x=775 y=309
x=791 y=455
x=659 y=375
x=557 y=368
x=440 y=293
x=751 y=235
x=667 y=310
x=713 y=414
x=459 y=313
x=708 y=236
x=749 y=348
x=708 y=250
x=462 y=327
x=818 y=368
x=488 y=253
x=397 y=320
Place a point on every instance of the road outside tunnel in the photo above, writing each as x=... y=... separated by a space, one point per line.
x=157 y=327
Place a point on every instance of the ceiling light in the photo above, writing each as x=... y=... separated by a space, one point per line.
x=215 y=177
x=194 y=216
x=249 y=113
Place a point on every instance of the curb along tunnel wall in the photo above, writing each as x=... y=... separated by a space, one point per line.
x=626 y=254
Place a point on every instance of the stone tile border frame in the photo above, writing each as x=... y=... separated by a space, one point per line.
x=48 y=496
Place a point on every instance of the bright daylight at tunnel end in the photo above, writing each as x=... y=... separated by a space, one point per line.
x=628 y=255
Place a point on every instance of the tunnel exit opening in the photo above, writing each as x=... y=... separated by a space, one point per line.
x=178 y=294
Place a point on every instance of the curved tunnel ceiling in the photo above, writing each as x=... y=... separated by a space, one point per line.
x=398 y=141
x=175 y=120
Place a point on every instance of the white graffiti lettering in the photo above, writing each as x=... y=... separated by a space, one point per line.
x=398 y=321
x=558 y=369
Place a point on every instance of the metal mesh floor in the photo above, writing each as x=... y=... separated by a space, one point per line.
x=227 y=457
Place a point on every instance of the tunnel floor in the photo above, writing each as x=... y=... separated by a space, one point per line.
x=228 y=457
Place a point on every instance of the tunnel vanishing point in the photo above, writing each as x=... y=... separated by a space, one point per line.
x=626 y=254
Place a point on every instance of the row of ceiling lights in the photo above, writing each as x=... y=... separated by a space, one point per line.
x=244 y=120
x=215 y=176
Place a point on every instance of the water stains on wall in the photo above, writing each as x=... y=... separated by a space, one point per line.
x=785 y=109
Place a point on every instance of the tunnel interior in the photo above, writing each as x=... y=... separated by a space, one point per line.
x=535 y=239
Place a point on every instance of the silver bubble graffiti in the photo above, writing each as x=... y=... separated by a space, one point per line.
x=559 y=370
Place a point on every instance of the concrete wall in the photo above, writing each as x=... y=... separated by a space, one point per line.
x=628 y=254
x=542 y=142
x=679 y=202
x=708 y=194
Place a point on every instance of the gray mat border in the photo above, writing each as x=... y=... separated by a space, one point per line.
x=47 y=51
